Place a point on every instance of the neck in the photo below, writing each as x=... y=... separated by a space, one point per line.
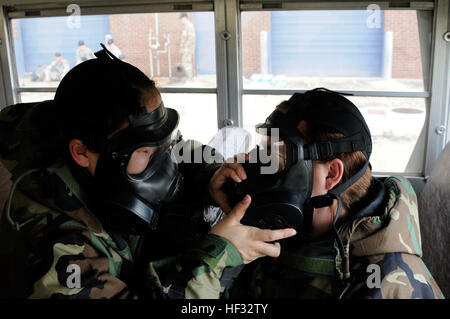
x=323 y=219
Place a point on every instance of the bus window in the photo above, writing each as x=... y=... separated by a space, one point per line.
x=336 y=49
x=173 y=49
x=377 y=57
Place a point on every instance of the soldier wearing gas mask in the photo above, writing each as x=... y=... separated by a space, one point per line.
x=92 y=176
x=357 y=236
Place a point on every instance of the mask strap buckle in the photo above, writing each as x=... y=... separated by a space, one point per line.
x=325 y=150
x=322 y=151
x=322 y=201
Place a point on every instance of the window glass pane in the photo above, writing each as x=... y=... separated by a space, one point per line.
x=256 y=108
x=395 y=125
x=198 y=114
x=165 y=46
x=339 y=49
x=28 y=97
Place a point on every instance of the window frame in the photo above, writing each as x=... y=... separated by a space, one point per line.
x=433 y=60
x=229 y=87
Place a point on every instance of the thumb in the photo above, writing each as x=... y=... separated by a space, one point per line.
x=239 y=210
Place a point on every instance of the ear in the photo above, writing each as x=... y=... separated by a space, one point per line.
x=79 y=152
x=335 y=172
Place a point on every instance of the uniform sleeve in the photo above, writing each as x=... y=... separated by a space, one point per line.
x=402 y=276
x=194 y=274
x=68 y=265
x=71 y=265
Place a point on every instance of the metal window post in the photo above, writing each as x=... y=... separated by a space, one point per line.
x=447 y=39
x=228 y=61
x=7 y=65
x=438 y=115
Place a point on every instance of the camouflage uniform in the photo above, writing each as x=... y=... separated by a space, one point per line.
x=62 y=231
x=188 y=48
x=389 y=239
x=84 y=54
x=57 y=69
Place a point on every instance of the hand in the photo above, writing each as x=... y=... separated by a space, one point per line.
x=232 y=170
x=251 y=242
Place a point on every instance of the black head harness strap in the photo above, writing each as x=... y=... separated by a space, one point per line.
x=332 y=110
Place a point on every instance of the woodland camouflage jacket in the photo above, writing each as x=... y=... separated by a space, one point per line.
x=386 y=244
x=59 y=231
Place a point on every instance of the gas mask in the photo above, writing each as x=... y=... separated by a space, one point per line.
x=280 y=172
x=279 y=180
x=135 y=174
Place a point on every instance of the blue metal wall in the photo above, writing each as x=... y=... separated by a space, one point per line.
x=205 y=53
x=40 y=38
x=319 y=43
x=325 y=43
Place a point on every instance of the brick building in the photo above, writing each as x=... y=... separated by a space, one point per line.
x=35 y=41
x=131 y=34
x=406 y=53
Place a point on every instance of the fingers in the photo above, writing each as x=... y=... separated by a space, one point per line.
x=265 y=243
x=233 y=171
x=261 y=249
x=229 y=172
x=271 y=250
x=239 y=210
x=268 y=235
x=237 y=168
x=219 y=179
x=266 y=246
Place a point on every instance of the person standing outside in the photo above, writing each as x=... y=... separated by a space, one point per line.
x=187 y=45
x=112 y=47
